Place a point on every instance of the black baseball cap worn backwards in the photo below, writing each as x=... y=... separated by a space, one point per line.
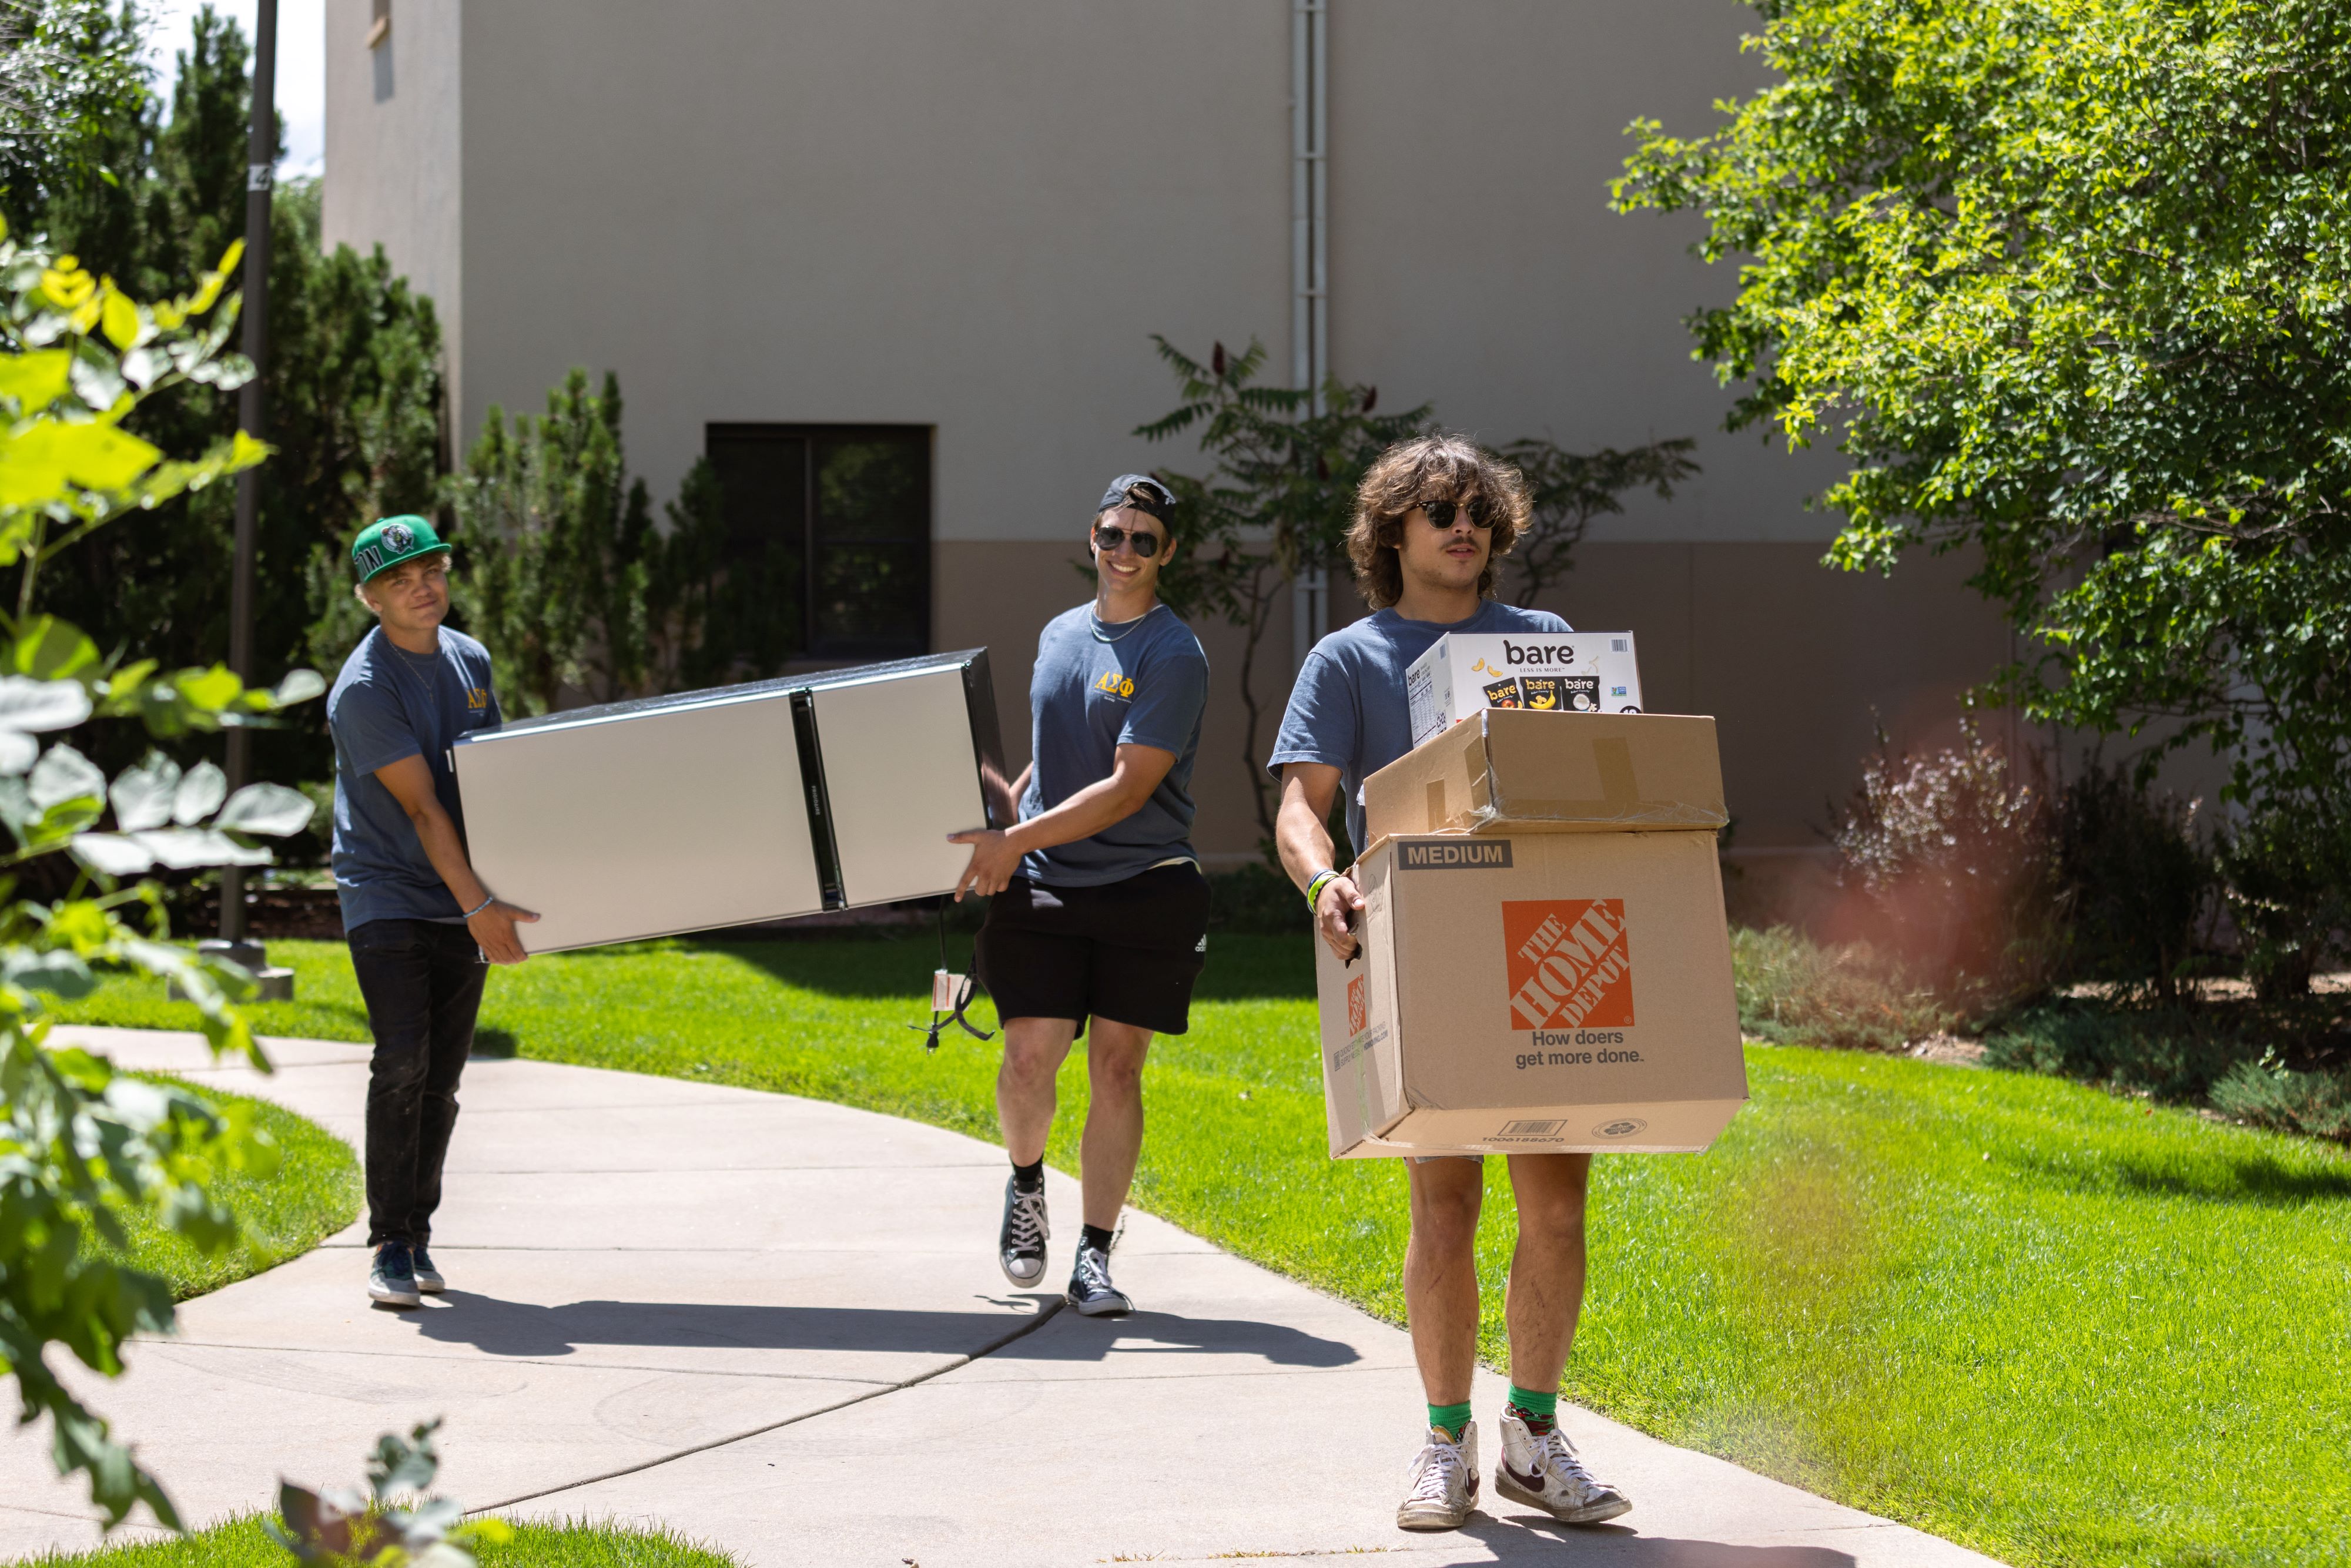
x=1145 y=494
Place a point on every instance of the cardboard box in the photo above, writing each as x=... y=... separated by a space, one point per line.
x=1501 y=769
x=1531 y=993
x=1542 y=672
x=733 y=806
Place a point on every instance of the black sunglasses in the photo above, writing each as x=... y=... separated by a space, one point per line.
x=1441 y=512
x=1147 y=545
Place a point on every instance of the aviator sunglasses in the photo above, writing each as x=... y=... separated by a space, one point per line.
x=1441 y=512
x=1147 y=545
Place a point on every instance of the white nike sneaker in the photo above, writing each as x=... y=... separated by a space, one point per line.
x=1441 y=1486
x=1543 y=1472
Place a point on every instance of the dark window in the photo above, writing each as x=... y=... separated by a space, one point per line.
x=833 y=524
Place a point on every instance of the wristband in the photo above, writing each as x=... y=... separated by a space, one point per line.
x=479 y=907
x=1322 y=879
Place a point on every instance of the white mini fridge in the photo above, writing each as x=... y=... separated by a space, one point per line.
x=737 y=805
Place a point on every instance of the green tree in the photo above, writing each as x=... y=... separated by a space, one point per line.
x=555 y=541
x=77 y=125
x=2069 y=285
x=715 y=610
x=353 y=385
x=1278 y=497
x=1568 y=489
x=81 y=1146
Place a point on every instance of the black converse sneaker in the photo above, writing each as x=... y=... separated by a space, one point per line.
x=392 y=1279
x=1091 y=1291
x=428 y=1277
x=1020 y=1244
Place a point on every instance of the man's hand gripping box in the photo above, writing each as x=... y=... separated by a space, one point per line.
x=1556 y=986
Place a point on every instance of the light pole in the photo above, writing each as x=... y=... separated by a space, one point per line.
x=260 y=175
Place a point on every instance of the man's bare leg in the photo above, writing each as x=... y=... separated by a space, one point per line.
x=1546 y=1289
x=1441 y=1274
x=1113 y=1137
x=1539 y=1466
x=1034 y=1050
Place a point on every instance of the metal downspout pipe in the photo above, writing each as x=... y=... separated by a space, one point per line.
x=1309 y=270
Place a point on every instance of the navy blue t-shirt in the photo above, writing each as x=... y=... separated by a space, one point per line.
x=1097 y=687
x=389 y=703
x=1349 y=710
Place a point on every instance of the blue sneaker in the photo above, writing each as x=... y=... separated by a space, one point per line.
x=392 y=1278
x=428 y=1277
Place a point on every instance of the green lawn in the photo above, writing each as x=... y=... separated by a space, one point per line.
x=241 y=1545
x=2060 y=1327
x=314 y=1193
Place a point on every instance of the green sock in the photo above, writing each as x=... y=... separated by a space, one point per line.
x=1539 y=1411
x=1452 y=1419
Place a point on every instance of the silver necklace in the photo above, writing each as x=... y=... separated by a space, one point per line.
x=1096 y=623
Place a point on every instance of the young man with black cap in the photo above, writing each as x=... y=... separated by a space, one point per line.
x=1099 y=914
x=419 y=922
x=1433 y=517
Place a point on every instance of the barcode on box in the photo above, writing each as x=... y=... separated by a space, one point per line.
x=1531 y=1129
x=1619 y=644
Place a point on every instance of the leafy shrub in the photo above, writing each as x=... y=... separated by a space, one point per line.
x=2289 y=889
x=1950 y=855
x=2269 y=1094
x=2134 y=884
x=81 y=1146
x=2170 y=1053
x=1257 y=899
x=1849 y=997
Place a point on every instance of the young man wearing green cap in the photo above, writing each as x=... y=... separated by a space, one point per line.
x=419 y=922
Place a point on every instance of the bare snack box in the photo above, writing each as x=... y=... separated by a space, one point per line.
x=1548 y=969
x=734 y=805
x=1542 y=672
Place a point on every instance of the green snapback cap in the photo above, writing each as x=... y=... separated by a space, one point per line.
x=384 y=545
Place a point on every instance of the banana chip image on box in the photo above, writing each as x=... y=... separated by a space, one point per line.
x=735 y=805
x=1544 y=671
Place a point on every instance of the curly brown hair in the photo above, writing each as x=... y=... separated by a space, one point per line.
x=1414 y=473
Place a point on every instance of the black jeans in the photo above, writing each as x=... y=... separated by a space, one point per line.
x=423 y=982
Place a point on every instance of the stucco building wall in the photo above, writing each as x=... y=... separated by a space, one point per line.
x=972 y=215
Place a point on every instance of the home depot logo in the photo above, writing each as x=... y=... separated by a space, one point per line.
x=1359 y=1007
x=1570 y=966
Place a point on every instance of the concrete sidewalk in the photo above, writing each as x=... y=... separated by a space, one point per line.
x=777 y=1325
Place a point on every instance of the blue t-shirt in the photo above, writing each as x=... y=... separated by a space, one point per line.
x=1097 y=688
x=1349 y=708
x=389 y=703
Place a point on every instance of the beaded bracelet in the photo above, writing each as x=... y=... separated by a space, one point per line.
x=1322 y=879
x=479 y=907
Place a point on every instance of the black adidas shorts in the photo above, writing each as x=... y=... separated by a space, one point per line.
x=1126 y=951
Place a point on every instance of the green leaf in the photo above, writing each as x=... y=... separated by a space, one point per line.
x=185 y=849
x=50 y=649
x=199 y=794
x=63 y=775
x=144 y=796
x=119 y=317
x=208 y=691
x=59 y=973
x=110 y=854
x=34 y=380
x=27 y=704
x=300 y=685
x=270 y=810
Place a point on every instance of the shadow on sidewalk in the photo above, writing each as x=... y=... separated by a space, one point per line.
x=512 y=1328
x=1528 y=1537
